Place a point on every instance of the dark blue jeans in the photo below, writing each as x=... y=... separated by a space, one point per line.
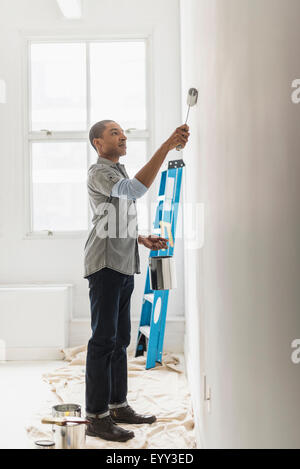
x=106 y=365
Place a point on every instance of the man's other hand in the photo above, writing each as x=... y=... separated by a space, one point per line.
x=154 y=243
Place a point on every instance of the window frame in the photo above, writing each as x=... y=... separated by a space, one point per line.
x=30 y=136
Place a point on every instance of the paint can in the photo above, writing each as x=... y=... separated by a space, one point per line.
x=71 y=435
x=66 y=410
x=162 y=273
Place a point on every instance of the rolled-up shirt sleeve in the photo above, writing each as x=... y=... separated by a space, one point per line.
x=103 y=178
x=129 y=189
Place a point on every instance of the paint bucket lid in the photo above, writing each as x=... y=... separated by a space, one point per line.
x=44 y=444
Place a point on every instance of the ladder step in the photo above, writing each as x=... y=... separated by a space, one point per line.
x=149 y=297
x=145 y=330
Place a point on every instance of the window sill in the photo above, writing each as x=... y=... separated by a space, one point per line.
x=51 y=235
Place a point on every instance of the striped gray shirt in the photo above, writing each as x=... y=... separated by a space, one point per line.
x=112 y=241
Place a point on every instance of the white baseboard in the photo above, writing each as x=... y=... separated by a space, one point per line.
x=80 y=332
x=31 y=354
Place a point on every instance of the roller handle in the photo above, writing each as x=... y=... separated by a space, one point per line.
x=179 y=147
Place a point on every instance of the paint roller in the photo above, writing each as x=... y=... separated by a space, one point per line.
x=191 y=101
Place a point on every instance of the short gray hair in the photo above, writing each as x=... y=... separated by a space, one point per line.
x=97 y=130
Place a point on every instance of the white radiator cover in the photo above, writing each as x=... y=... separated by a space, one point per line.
x=34 y=321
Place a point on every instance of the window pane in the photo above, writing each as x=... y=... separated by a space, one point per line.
x=135 y=159
x=59 y=172
x=58 y=87
x=118 y=83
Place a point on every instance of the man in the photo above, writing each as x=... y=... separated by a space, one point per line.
x=111 y=260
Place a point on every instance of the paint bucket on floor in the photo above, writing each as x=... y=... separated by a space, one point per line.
x=66 y=410
x=162 y=273
x=71 y=435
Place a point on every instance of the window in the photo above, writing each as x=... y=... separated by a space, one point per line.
x=72 y=85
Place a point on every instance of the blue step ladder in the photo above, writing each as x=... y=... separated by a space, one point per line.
x=155 y=302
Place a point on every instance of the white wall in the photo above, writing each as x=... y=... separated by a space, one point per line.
x=61 y=260
x=242 y=312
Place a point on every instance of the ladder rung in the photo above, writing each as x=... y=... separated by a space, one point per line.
x=149 y=297
x=145 y=330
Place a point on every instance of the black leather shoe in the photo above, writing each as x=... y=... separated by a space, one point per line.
x=107 y=429
x=128 y=415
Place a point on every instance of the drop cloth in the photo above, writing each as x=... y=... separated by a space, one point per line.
x=162 y=391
